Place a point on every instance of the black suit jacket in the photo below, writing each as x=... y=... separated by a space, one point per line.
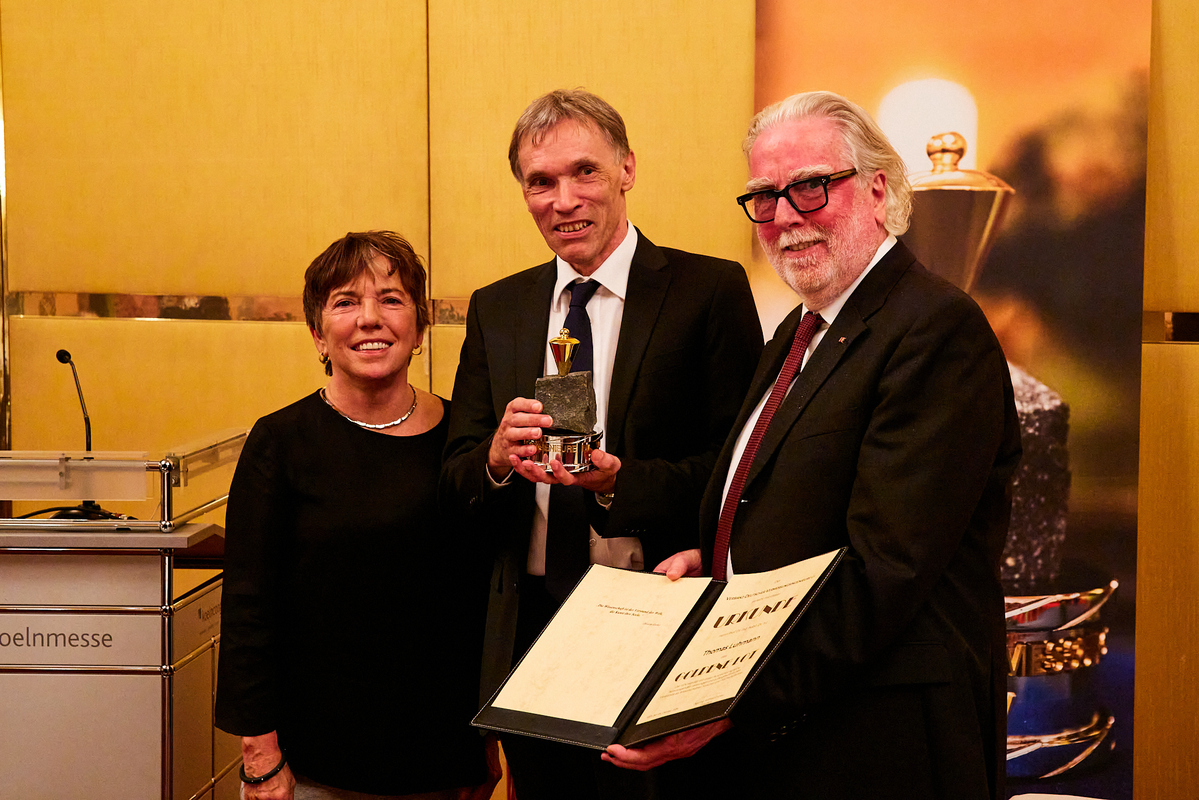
x=689 y=339
x=897 y=440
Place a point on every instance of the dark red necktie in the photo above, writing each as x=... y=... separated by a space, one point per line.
x=799 y=345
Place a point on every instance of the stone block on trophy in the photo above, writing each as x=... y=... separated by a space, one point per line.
x=570 y=400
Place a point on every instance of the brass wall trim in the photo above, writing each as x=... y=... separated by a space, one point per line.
x=1169 y=326
x=154 y=306
x=255 y=308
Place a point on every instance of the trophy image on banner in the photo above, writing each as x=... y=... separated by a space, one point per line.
x=569 y=398
x=1055 y=639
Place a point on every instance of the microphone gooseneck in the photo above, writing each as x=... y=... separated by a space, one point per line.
x=64 y=357
x=87 y=509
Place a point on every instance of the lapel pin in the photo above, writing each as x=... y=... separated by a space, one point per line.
x=841 y=340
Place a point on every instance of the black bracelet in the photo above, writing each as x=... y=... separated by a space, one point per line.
x=264 y=777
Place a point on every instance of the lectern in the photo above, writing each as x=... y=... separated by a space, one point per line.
x=110 y=628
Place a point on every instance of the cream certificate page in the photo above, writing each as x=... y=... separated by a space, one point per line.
x=600 y=645
x=745 y=619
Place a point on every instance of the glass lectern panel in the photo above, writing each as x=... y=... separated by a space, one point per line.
x=67 y=476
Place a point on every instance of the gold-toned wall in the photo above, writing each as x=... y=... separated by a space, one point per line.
x=195 y=149
x=1171 y=231
x=1166 y=762
x=207 y=148
x=1167 y=680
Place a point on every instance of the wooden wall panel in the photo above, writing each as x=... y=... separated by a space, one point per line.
x=1172 y=229
x=1166 y=763
x=680 y=73
x=1167 y=649
x=207 y=148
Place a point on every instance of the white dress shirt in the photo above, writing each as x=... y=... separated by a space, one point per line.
x=829 y=315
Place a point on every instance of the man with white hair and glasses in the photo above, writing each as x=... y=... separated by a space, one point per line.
x=880 y=419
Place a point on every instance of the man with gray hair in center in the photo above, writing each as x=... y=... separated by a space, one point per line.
x=881 y=420
x=670 y=338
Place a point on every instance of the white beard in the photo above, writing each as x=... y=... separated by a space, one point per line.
x=818 y=278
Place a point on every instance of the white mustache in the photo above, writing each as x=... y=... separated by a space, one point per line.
x=792 y=238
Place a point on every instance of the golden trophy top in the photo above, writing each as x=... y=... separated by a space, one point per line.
x=945 y=151
x=563 y=347
x=956 y=213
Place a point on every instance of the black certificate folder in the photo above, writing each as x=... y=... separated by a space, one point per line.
x=632 y=656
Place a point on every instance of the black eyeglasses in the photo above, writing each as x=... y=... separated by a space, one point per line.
x=806 y=196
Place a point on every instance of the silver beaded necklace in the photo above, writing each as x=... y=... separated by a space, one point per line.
x=370 y=425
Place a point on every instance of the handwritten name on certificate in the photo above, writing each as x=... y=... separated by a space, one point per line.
x=600 y=645
x=750 y=612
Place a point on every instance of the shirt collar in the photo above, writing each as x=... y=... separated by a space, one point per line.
x=830 y=312
x=613 y=274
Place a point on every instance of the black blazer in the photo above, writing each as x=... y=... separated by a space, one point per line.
x=689 y=339
x=897 y=440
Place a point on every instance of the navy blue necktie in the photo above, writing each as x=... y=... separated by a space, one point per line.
x=579 y=324
x=568 y=533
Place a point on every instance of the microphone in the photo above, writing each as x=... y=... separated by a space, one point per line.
x=88 y=509
x=64 y=357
